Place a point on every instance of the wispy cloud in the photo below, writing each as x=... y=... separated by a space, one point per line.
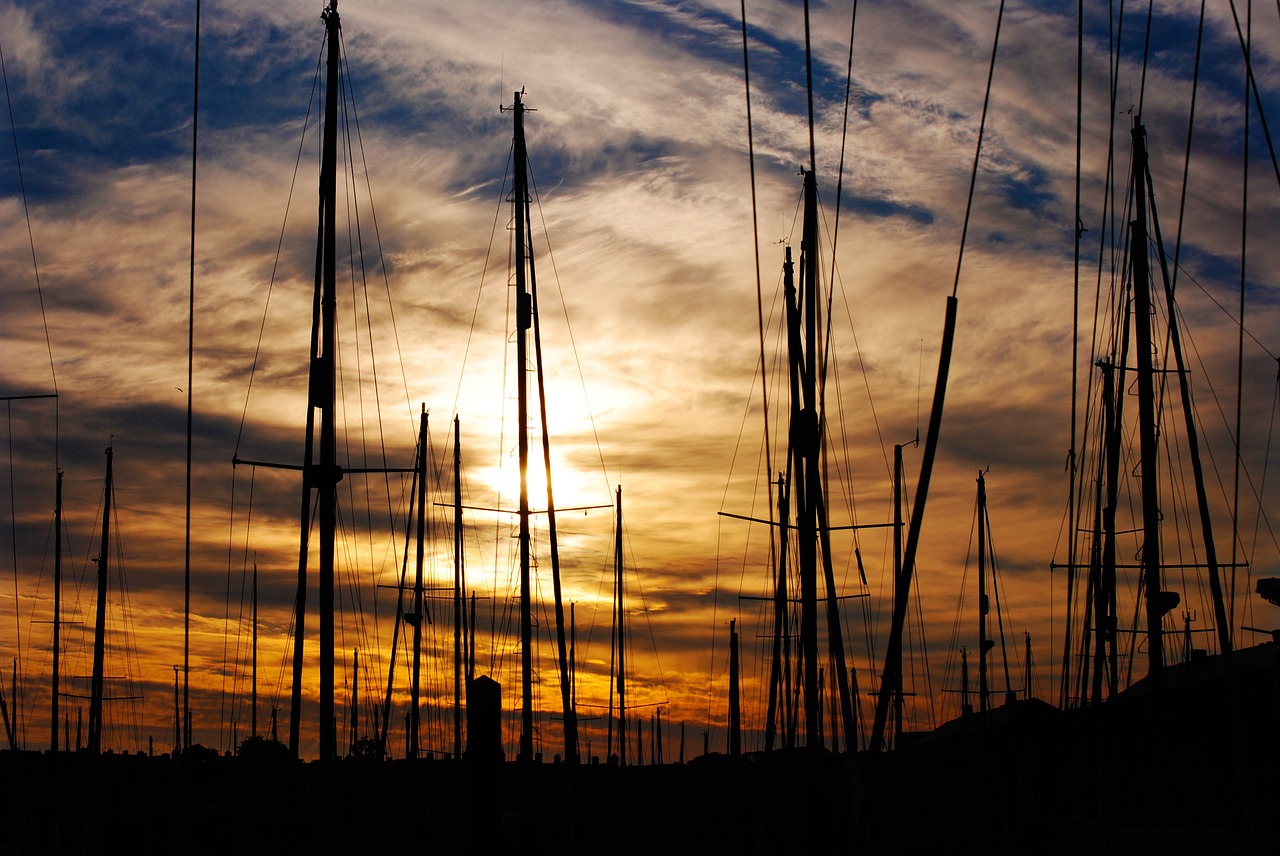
x=647 y=286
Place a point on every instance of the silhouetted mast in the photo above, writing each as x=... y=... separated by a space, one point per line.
x=808 y=480
x=622 y=633
x=419 y=605
x=984 y=607
x=1156 y=602
x=57 y=613
x=520 y=199
x=459 y=590
x=321 y=476
x=100 y=621
x=355 y=701
x=780 y=666
x=897 y=581
x=735 y=709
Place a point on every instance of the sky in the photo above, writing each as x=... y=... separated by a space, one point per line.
x=647 y=280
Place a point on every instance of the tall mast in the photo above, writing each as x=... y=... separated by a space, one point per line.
x=1106 y=601
x=776 y=682
x=100 y=626
x=355 y=701
x=735 y=710
x=322 y=476
x=984 y=608
x=520 y=201
x=459 y=589
x=1146 y=409
x=622 y=633
x=808 y=464
x=897 y=580
x=795 y=360
x=328 y=475
x=57 y=612
x=253 y=704
x=419 y=605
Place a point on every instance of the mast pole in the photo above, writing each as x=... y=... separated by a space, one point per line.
x=897 y=578
x=1106 y=613
x=177 y=713
x=329 y=473
x=795 y=468
x=622 y=636
x=355 y=700
x=984 y=644
x=1155 y=602
x=253 y=704
x=1027 y=636
x=735 y=710
x=776 y=681
x=191 y=339
x=57 y=612
x=419 y=603
x=520 y=201
x=809 y=454
x=893 y=656
x=459 y=603
x=100 y=627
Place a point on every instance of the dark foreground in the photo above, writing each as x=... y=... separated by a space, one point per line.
x=1192 y=767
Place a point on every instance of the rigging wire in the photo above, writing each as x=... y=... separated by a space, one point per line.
x=275 y=266
x=35 y=265
x=191 y=350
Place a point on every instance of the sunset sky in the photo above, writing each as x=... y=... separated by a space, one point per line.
x=647 y=286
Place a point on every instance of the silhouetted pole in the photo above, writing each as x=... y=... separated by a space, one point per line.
x=735 y=720
x=520 y=197
x=321 y=476
x=57 y=613
x=100 y=625
x=1148 y=441
x=419 y=604
x=893 y=655
x=177 y=713
x=622 y=633
x=984 y=644
x=1028 y=669
x=253 y=703
x=355 y=701
x=459 y=586
x=808 y=456
x=777 y=683
x=329 y=474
